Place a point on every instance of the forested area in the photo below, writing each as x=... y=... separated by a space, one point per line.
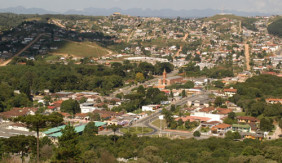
x=33 y=78
x=249 y=23
x=251 y=95
x=275 y=28
x=140 y=98
x=9 y=20
x=87 y=147
x=217 y=72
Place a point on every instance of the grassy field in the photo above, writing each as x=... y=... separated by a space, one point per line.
x=159 y=123
x=240 y=114
x=133 y=130
x=80 y=49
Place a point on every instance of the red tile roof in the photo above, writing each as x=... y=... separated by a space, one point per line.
x=16 y=112
x=65 y=114
x=193 y=118
x=274 y=99
x=223 y=111
x=51 y=107
x=247 y=118
x=230 y=90
x=222 y=126
x=269 y=73
x=107 y=113
x=81 y=114
x=207 y=110
x=212 y=122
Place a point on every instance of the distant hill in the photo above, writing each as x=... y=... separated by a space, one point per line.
x=23 y=10
x=229 y=16
x=166 y=13
x=275 y=28
x=9 y=20
x=246 y=22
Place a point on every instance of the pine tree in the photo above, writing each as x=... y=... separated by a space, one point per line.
x=68 y=150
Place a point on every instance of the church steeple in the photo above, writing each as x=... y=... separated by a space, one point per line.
x=164 y=77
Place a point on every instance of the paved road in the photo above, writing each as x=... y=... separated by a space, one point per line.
x=6 y=133
x=147 y=121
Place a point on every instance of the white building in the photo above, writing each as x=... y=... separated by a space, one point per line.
x=150 y=108
x=87 y=107
x=213 y=117
x=18 y=126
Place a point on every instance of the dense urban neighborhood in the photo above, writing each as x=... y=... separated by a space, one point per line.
x=121 y=88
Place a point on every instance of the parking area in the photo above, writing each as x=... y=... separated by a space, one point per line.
x=6 y=133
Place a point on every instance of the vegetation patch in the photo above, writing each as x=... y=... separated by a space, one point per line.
x=80 y=49
x=136 y=130
x=275 y=28
x=159 y=123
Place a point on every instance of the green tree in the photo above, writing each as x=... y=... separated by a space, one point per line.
x=173 y=124
x=183 y=94
x=70 y=106
x=114 y=128
x=180 y=122
x=218 y=84
x=20 y=144
x=119 y=95
x=232 y=135
x=94 y=116
x=150 y=154
x=172 y=108
x=90 y=129
x=229 y=121
x=189 y=84
x=197 y=58
x=266 y=124
x=218 y=101
x=38 y=121
x=168 y=117
x=139 y=77
x=232 y=115
x=82 y=100
x=197 y=134
x=68 y=150
x=171 y=94
x=141 y=90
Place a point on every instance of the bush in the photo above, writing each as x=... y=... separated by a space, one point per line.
x=196 y=134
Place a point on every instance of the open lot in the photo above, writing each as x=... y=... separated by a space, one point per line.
x=80 y=49
x=136 y=130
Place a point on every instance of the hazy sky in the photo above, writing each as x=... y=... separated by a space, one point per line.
x=273 y=6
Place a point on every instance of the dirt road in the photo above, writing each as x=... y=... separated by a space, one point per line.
x=180 y=48
x=185 y=37
x=21 y=51
x=130 y=35
x=247 y=56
